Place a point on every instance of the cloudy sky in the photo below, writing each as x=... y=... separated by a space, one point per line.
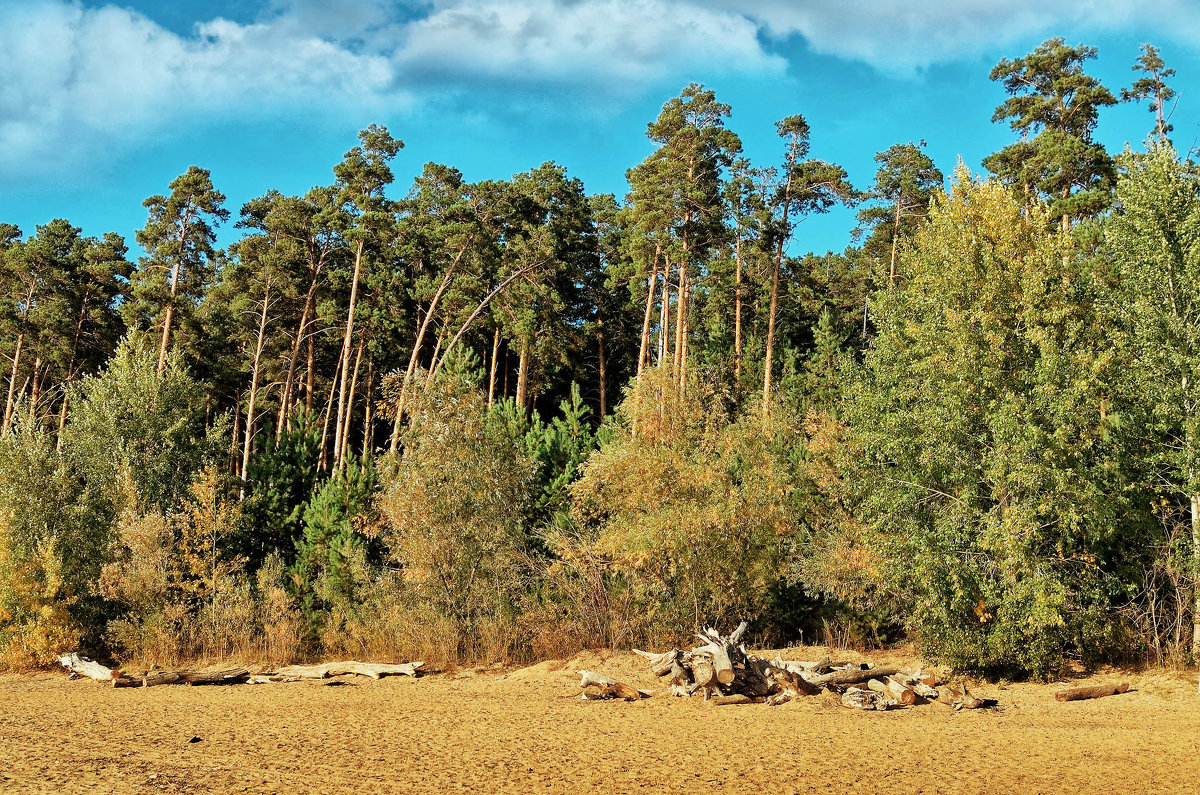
x=102 y=104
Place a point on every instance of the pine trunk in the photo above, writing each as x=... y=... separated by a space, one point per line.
x=652 y=283
x=737 y=309
x=347 y=344
x=601 y=368
x=289 y=381
x=523 y=376
x=255 y=368
x=344 y=442
x=12 y=382
x=492 y=369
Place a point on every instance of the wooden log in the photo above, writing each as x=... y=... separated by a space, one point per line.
x=1091 y=691
x=861 y=698
x=152 y=678
x=269 y=678
x=704 y=673
x=852 y=677
x=370 y=670
x=607 y=687
x=790 y=686
x=900 y=692
x=224 y=676
x=82 y=666
x=736 y=698
x=959 y=697
x=722 y=665
x=660 y=664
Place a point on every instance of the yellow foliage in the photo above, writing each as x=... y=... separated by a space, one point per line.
x=35 y=621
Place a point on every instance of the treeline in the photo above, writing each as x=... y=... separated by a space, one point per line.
x=507 y=419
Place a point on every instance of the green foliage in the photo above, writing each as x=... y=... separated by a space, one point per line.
x=283 y=478
x=129 y=422
x=690 y=518
x=338 y=535
x=454 y=509
x=999 y=502
x=1054 y=105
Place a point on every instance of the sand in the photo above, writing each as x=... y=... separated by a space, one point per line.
x=527 y=731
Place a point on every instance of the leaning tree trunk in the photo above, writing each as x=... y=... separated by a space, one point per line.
x=256 y=366
x=347 y=344
x=651 y=291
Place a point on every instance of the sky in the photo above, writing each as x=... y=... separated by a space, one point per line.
x=102 y=104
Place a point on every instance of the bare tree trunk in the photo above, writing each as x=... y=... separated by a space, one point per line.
x=1195 y=505
x=12 y=382
x=169 y=314
x=344 y=443
x=737 y=309
x=324 y=457
x=422 y=328
x=601 y=368
x=310 y=386
x=368 y=444
x=492 y=370
x=285 y=400
x=664 y=314
x=35 y=394
x=523 y=375
x=895 y=241
x=651 y=284
x=767 y=361
x=256 y=365
x=680 y=309
x=347 y=345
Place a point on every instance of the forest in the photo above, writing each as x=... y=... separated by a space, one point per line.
x=498 y=421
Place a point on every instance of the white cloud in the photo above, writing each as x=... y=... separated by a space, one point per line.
x=901 y=36
x=75 y=78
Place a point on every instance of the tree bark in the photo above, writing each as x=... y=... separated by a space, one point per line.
x=344 y=442
x=285 y=400
x=347 y=344
x=256 y=363
x=601 y=368
x=492 y=369
x=523 y=375
x=1094 y=691
x=737 y=308
x=651 y=291
x=169 y=313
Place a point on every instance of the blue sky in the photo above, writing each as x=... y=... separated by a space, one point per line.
x=102 y=104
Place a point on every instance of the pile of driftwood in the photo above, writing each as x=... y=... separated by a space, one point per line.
x=82 y=666
x=726 y=673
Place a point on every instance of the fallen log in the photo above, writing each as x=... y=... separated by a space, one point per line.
x=736 y=698
x=661 y=664
x=82 y=666
x=852 y=677
x=1091 y=691
x=860 y=698
x=370 y=670
x=606 y=687
x=959 y=697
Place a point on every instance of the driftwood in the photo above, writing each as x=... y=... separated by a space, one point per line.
x=861 y=698
x=370 y=670
x=960 y=698
x=224 y=676
x=82 y=666
x=725 y=673
x=1092 y=691
x=736 y=698
x=853 y=677
x=605 y=687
